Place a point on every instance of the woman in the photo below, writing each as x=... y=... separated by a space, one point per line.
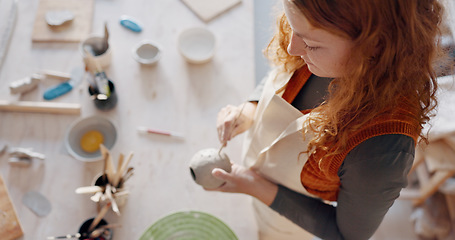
x=332 y=135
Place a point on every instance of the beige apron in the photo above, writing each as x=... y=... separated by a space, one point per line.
x=273 y=147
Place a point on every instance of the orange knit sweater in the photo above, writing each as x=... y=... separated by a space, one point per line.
x=319 y=175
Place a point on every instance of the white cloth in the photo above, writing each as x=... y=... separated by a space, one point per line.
x=273 y=147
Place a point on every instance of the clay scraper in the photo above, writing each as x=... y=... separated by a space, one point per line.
x=63 y=88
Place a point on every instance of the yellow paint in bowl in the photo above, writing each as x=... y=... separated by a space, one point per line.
x=91 y=140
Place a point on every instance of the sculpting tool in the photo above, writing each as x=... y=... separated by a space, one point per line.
x=159 y=132
x=62 y=88
x=233 y=125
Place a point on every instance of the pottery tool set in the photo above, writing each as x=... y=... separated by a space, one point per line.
x=109 y=187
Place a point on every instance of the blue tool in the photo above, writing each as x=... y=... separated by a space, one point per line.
x=130 y=23
x=59 y=90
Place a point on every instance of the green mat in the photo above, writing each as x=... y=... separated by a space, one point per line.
x=189 y=225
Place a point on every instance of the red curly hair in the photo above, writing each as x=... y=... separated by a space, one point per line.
x=396 y=47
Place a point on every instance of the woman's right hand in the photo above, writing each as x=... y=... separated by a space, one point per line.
x=233 y=120
x=247 y=181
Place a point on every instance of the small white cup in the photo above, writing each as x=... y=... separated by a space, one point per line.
x=147 y=52
x=197 y=45
x=102 y=54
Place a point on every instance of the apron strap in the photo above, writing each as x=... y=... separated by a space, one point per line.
x=295 y=84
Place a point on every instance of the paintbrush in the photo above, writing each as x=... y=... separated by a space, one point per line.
x=101 y=79
x=99 y=217
x=69 y=236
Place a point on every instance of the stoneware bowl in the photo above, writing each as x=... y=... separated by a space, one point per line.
x=147 y=52
x=202 y=164
x=80 y=127
x=196 y=45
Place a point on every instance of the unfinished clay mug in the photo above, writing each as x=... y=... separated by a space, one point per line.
x=202 y=164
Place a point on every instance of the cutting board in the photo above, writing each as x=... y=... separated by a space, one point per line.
x=10 y=227
x=76 y=30
x=209 y=9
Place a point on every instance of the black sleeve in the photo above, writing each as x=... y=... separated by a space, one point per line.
x=372 y=176
x=257 y=92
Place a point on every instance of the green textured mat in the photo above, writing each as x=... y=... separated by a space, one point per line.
x=189 y=225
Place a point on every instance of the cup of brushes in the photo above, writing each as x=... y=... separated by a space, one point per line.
x=108 y=188
x=102 y=90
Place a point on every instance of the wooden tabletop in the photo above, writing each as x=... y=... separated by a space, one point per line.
x=172 y=95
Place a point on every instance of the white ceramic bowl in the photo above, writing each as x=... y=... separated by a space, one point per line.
x=80 y=127
x=197 y=45
x=147 y=52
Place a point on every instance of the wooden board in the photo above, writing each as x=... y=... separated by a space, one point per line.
x=74 y=31
x=209 y=9
x=10 y=227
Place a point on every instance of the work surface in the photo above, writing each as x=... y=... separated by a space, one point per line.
x=172 y=95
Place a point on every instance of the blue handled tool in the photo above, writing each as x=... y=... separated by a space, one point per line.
x=61 y=89
x=130 y=23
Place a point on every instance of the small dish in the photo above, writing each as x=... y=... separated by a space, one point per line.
x=147 y=52
x=197 y=44
x=80 y=127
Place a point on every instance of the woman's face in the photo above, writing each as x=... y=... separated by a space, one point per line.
x=325 y=53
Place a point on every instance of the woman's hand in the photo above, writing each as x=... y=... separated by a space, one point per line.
x=247 y=181
x=232 y=120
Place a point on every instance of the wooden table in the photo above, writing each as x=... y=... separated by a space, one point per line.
x=173 y=95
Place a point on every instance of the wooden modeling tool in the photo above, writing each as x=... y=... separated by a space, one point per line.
x=89 y=189
x=99 y=217
x=111 y=199
x=118 y=174
x=105 y=154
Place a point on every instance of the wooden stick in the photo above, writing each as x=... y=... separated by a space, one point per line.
x=126 y=162
x=105 y=154
x=110 y=169
x=56 y=75
x=119 y=172
x=99 y=217
x=40 y=107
